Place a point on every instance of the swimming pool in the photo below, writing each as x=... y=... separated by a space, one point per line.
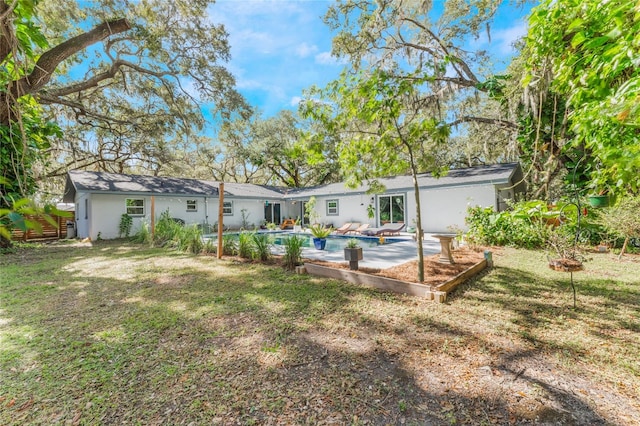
x=334 y=242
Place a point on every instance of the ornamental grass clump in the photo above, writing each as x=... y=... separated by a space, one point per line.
x=189 y=239
x=229 y=245
x=262 y=244
x=246 y=246
x=292 y=251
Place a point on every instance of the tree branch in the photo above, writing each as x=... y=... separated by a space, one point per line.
x=7 y=37
x=495 y=121
x=49 y=61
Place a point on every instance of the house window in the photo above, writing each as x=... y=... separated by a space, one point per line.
x=227 y=208
x=192 y=205
x=135 y=206
x=391 y=208
x=332 y=207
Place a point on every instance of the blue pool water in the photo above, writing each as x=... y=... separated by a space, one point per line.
x=334 y=242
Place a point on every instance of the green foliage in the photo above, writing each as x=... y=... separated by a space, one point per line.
x=210 y=246
x=525 y=225
x=246 y=245
x=21 y=215
x=262 y=244
x=310 y=209
x=293 y=245
x=319 y=231
x=385 y=127
x=590 y=50
x=166 y=230
x=353 y=243
x=143 y=235
x=274 y=151
x=124 y=228
x=25 y=134
x=189 y=239
x=172 y=234
x=371 y=211
x=229 y=245
x=21 y=146
x=272 y=226
x=245 y=219
x=622 y=220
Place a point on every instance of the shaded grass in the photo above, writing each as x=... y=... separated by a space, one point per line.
x=118 y=333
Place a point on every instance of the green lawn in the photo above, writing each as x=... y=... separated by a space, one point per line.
x=119 y=333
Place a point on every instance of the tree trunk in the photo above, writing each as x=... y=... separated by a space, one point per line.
x=624 y=248
x=416 y=192
x=419 y=238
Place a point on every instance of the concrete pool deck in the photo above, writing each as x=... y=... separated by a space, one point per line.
x=382 y=256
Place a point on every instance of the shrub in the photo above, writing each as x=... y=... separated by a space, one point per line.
x=526 y=225
x=622 y=220
x=292 y=251
x=229 y=245
x=189 y=239
x=166 y=231
x=262 y=244
x=124 y=228
x=143 y=236
x=210 y=246
x=245 y=245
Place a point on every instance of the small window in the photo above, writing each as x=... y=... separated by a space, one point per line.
x=135 y=206
x=227 y=208
x=332 y=207
x=192 y=205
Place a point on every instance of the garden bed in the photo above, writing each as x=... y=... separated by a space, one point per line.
x=440 y=278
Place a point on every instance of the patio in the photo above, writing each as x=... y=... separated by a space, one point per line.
x=383 y=256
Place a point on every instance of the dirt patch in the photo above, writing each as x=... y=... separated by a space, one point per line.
x=434 y=272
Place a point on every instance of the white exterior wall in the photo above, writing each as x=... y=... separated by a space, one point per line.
x=445 y=207
x=441 y=209
x=106 y=209
x=351 y=208
x=254 y=213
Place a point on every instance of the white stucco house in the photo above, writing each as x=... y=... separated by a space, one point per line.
x=101 y=198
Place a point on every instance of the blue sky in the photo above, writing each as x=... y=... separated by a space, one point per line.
x=280 y=47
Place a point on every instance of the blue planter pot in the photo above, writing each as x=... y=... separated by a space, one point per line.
x=319 y=243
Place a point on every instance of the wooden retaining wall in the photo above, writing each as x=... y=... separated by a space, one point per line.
x=437 y=293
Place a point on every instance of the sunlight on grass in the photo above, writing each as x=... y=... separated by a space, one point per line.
x=111 y=335
x=147 y=330
x=265 y=303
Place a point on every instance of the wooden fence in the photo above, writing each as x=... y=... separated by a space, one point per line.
x=49 y=232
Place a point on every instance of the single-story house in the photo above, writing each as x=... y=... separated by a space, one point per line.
x=101 y=199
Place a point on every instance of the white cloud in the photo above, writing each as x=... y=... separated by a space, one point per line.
x=504 y=38
x=304 y=50
x=325 y=58
x=295 y=101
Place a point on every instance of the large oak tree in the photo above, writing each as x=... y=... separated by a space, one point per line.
x=128 y=82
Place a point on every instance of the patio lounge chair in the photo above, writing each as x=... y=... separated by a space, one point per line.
x=359 y=229
x=346 y=228
x=386 y=229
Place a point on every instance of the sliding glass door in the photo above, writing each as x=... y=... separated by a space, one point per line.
x=272 y=213
x=391 y=209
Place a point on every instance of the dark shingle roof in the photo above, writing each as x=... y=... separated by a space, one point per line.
x=250 y=190
x=86 y=181
x=79 y=180
x=496 y=174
